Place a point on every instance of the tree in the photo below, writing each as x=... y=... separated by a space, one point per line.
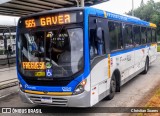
x=149 y=12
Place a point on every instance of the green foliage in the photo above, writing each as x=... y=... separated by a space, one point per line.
x=158 y=49
x=149 y=12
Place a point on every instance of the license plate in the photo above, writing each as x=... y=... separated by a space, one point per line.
x=46 y=100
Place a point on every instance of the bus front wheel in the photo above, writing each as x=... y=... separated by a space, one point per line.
x=112 y=88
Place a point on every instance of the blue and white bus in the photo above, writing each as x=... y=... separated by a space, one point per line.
x=76 y=57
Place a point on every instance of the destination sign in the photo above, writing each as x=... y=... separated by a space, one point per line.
x=55 y=19
x=33 y=65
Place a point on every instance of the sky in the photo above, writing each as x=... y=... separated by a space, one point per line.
x=116 y=6
x=8 y=20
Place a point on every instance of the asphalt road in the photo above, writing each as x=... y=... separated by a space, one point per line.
x=131 y=95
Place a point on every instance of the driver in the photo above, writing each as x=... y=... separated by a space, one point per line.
x=55 y=49
x=54 y=42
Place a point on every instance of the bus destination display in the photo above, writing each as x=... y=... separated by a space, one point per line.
x=58 y=19
x=33 y=65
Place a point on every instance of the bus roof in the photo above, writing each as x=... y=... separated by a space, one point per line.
x=119 y=17
x=100 y=13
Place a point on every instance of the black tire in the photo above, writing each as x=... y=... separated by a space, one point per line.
x=146 y=68
x=112 y=88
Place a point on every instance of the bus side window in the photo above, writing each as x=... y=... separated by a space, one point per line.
x=143 y=35
x=100 y=40
x=115 y=33
x=137 y=35
x=153 y=35
x=128 y=35
x=97 y=47
x=93 y=44
x=149 y=36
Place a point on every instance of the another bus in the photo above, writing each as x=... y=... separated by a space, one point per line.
x=76 y=57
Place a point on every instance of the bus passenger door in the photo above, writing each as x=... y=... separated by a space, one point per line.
x=98 y=60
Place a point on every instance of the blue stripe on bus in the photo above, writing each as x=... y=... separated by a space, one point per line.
x=128 y=50
x=117 y=17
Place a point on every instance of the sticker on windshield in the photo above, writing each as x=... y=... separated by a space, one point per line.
x=49 y=72
x=39 y=74
x=48 y=65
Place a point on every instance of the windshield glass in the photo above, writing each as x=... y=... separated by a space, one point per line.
x=51 y=53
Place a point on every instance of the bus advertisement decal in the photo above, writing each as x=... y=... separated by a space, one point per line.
x=48 y=65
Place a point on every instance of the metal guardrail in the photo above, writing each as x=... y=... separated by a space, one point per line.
x=7 y=62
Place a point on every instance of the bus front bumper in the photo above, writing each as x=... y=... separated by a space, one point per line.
x=80 y=100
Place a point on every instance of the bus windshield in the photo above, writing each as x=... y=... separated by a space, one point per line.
x=59 y=51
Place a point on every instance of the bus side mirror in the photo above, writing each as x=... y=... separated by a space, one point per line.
x=99 y=35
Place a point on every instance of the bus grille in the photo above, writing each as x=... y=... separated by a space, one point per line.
x=55 y=101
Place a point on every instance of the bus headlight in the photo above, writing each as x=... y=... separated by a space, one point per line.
x=80 y=87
